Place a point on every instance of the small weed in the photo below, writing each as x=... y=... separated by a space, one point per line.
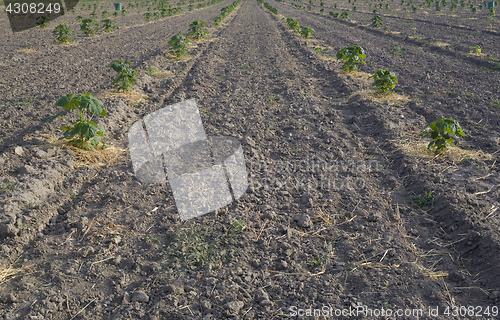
x=150 y=70
x=272 y=127
x=470 y=95
x=246 y=67
x=331 y=243
x=210 y=113
x=6 y=186
x=424 y=200
x=295 y=150
x=397 y=51
x=74 y=196
x=315 y=262
x=492 y=59
x=239 y=225
x=495 y=103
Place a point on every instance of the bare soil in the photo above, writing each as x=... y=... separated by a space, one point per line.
x=330 y=218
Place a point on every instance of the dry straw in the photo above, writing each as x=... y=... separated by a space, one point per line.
x=98 y=158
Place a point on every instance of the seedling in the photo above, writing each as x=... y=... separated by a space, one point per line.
x=108 y=25
x=306 y=32
x=6 y=186
x=239 y=225
x=495 y=103
x=353 y=56
x=271 y=8
x=424 y=200
x=443 y=131
x=79 y=18
x=84 y=132
x=384 y=80
x=126 y=76
x=43 y=22
x=104 y=14
x=89 y=26
x=376 y=21
x=397 y=51
x=315 y=262
x=476 y=50
x=344 y=15
x=63 y=33
x=178 y=43
x=196 y=29
x=293 y=24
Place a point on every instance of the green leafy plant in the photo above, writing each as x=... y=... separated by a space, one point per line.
x=424 y=200
x=108 y=25
x=397 y=51
x=344 y=15
x=196 y=29
x=79 y=18
x=124 y=12
x=239 y=225
x=89 y=26
x=126 y=75
x=178 y=43
x=63 y=33
x=384 y=80
x=476 y=50
x=271 y=8
x=84 y=132
x=6 y=186
x=306 y=32
x=495 y=103
x=43 y=22
x=443 y=132
x=315 y=262
x=334 y=14
x=293 y=24
x=148 y=16
x=353 y=56
x=376 y=21
x=104 y=14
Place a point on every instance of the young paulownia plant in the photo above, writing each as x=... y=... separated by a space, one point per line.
x=89 y=26
x=178 y=43
x=293 y=24
x=306 y=32
x=43 y=22
x=353 y=56
x=84 y=132
x=108 y=25
x=126 y=75
x=63 y=33
x=196 y=29
x=443 y=132
x=384 y=80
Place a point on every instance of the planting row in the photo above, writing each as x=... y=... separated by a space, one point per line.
x=443 y=130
